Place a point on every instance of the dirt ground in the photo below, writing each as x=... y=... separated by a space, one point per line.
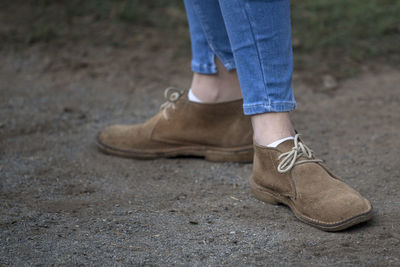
x=62 y=202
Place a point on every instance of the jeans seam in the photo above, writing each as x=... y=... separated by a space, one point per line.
x=196 y=10
x=245 y=7
x=208 y=38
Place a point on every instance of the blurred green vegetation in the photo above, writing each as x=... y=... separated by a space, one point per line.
x=147 y=13
x=362 y=27
x=46 y=21
x=331 y=33
x=346 y=33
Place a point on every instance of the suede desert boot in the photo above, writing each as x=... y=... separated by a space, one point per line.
x=291 y=175
x=217 y=132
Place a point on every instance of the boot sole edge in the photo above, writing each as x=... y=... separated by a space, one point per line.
x=241 y=154
x=270 y=197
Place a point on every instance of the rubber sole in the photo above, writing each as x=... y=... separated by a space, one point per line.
x=270 y=197
x=216 y=154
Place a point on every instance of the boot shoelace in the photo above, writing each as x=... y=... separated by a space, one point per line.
x=172 y=95
x=290 y=158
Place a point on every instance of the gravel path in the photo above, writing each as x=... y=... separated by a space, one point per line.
x=64 y=203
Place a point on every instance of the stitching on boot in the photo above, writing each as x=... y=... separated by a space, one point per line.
x=290 y=193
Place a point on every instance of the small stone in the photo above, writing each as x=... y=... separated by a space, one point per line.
x=329 y=82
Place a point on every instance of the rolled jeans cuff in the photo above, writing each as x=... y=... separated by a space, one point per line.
x=211 y=68
x=253 y=109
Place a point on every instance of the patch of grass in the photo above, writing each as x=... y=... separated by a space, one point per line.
x=37 y=21
x=347 y=31
x=153 y=13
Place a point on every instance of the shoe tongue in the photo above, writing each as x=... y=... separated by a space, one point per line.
x=285 y=146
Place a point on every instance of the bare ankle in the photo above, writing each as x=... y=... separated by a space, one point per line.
x=270 y=127
x=221 y=87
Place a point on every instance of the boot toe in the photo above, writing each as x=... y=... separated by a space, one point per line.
x=113 y=136
x=340 y=208
x=349 y=207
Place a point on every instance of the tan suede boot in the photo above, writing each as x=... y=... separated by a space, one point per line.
x=291 y=175
x=218 y=132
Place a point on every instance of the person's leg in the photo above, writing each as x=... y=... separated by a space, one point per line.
x=260 y=35
x=213 y=80
x=288 y=172
x=215 y=128
x=264 y=65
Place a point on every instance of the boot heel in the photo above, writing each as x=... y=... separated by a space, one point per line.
x=245 y=156
x=262 y=195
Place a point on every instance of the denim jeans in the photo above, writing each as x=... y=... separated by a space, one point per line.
x=251 y=36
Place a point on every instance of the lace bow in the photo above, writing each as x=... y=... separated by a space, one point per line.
x=172 y=95
x=289 y=159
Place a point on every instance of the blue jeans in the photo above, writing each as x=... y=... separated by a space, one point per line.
x=251 y=36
